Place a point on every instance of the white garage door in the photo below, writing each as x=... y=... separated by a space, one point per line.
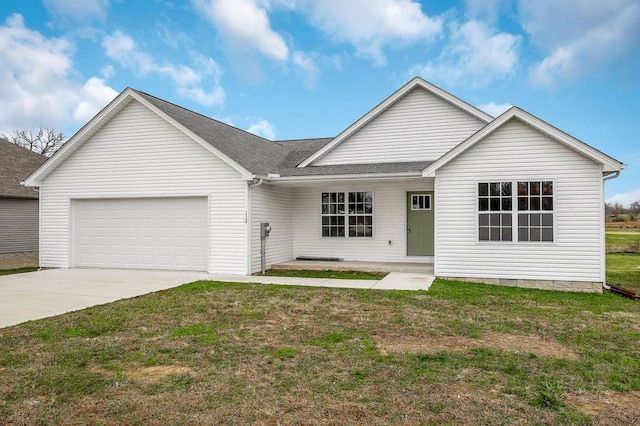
x=142 y=233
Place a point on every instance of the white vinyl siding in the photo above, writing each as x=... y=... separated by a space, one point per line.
x=516 y=152
x=18 y=225
x=138 y=154
x=389 y=213
x=271 y=204
x=420 y=126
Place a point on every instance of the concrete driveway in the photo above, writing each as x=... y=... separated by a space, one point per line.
x=42 y=294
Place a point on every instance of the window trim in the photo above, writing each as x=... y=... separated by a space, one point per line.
x=347 y=215
x=514 y=211
x=428 y=196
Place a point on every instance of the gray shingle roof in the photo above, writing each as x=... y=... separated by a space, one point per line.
x=16 y=163
x=261 y=156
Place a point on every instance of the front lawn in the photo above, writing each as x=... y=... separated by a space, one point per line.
x=225 y=353
x=18 y=270
x=341 y=275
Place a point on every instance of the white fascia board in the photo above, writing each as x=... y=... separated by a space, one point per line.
x=609 y=163
x=246 y=174
x=35 y=178
x=387 y=103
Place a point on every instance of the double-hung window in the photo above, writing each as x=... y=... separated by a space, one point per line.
x=347 y=214
x=535 y=211
x=523 y=215
x=495 y=204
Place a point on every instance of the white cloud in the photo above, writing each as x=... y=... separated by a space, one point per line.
x=307 y=69
x=78 y=10
x=244 y=23
x=494 y=109
x=95 y=95
x=625 y=198
x=39 y=83
x=581 y=35
x=476 y=53
x=262 y=128
x=122 y=48
x=486 y=10
x=369 y=25
x=190 y=81
x=214 y=97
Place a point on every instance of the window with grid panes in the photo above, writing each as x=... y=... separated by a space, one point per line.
x=535 y=211
x=347 y=214
x=495 y=205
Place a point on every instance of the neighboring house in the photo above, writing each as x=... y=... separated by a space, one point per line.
x=18 y=204
x=423 y=177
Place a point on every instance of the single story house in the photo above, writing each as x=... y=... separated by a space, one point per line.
x=18 y=204
x=422 y=177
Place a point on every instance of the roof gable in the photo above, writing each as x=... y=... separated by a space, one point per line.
x=190 y=123
x=404 y=91
x=609 y=164
x=253 y=153
x=16 y=163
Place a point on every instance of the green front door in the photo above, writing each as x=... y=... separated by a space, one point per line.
x=420 y=207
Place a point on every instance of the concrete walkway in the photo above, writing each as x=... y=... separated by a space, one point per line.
x=47 y=293
x=393 y=281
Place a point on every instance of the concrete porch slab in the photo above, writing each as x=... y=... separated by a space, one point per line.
x=317 y=265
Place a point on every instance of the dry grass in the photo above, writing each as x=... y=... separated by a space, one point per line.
x=513 y=343
x=222 y=353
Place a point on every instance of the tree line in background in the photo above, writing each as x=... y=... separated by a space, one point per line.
x=45 y=141
x=617 y=212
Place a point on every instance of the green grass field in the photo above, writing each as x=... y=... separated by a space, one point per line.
x=221 y=353
x=342 y=275
x=17 y=270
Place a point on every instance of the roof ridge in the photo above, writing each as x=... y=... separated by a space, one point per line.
x=204 y=116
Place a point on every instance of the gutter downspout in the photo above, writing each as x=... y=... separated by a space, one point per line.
x=611 y=176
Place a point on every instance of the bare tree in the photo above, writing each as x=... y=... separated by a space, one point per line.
x=634 y=210
x=614 y=209
x=45 y=141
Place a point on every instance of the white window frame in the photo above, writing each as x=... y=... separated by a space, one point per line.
x=346 y=214
x=426 y=196
x=515 y=212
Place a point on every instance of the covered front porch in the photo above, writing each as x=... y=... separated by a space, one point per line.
x=379 y=225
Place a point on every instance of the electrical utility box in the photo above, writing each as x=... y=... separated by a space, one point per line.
x=265 y=230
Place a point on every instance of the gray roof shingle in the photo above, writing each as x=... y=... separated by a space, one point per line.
x=16 y=163
x=261 y=156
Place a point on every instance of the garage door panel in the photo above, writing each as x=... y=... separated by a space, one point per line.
x=153 y=233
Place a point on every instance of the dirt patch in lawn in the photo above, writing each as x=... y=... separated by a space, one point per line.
x=445 y=343
x=18 y=260
x=617 y=407
x=155 y=373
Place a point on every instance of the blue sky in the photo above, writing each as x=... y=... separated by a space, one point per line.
x=290 y=69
